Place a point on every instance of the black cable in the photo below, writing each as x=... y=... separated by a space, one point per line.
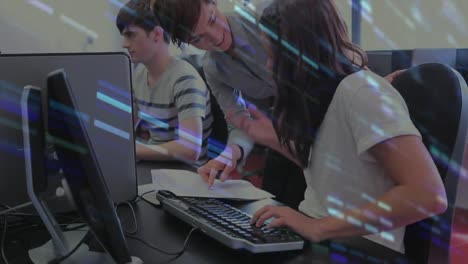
x=2 y=246
x=82 y=241
x=143 y=194
x=20 y=222
x=59 y=217
x=142 y=198
x=129 y=234
x=25 y=215
x=5 y=226
x=178 y=253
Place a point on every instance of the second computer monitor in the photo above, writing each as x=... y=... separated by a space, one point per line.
x=101 y=83
x=77 y=159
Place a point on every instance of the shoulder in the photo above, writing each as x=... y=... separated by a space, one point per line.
x=210 y=65
x=366 y=97
x=139 y=78
x=182 y=70
x=365 y=85
x=139 y=70
x=185 y=76
x=182 y=67
x=362 y=80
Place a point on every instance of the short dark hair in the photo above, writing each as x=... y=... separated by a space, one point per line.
x=178 y=17
x=138 y=13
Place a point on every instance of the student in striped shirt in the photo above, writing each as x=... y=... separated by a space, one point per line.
x=171 y=100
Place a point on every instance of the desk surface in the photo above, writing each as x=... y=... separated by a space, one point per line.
x=168 y=233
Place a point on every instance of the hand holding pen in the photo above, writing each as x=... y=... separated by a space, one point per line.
x=222 y=166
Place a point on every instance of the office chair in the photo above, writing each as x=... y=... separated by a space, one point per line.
x=436 y=97
x=403 y=59
x=461 y=63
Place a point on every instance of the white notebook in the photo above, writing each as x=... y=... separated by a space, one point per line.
x=186 y=183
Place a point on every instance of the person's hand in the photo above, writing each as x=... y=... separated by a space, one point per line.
x=393 y=75
x=225 y=164
x=259 y=127
x=285 y=216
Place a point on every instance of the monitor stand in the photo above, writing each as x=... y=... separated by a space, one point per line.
x=47 y=252
x=55 y=248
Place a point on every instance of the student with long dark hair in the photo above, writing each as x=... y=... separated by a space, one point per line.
x=234 y=66
x=367 y=170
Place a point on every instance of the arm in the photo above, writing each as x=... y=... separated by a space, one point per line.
x=190 y=97
x=186 y=148
x=418 y=185
x=398 y=152
x=393 y=75
x=260 y=129
x=229 y=100
x=137 y=123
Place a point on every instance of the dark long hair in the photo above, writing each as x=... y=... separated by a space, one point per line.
x=311 y=54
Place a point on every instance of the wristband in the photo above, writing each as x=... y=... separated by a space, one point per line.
x=241 y=155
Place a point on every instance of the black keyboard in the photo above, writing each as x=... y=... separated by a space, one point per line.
x=229 y=225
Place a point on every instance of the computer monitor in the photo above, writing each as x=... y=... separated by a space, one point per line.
x=380 y=62
x=65 y=130
x=101 y=84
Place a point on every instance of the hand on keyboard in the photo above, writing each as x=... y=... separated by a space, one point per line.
x=284 y=217
x=236 y=223
x=229 y=225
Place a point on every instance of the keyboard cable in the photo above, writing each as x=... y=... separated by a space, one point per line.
x=177 y=253
x=2 y=246
x=132 y=235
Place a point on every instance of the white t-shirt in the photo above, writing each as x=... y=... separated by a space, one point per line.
x=342 y=175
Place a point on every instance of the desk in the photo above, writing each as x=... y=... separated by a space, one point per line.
x=168 y=233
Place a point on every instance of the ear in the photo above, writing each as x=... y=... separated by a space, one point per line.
x=158 y=34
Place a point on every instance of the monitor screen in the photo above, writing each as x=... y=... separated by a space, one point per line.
x=76 y=157
x=100 y=91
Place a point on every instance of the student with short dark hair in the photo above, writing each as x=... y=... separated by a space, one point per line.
x=367 y=170
x=235 y=69
x=171 y=100
x=234 y=66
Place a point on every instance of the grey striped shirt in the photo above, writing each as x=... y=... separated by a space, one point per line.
x=180 y=93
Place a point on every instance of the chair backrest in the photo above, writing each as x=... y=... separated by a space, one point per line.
x=384 y=62
x=436 y=97
x=219 y=134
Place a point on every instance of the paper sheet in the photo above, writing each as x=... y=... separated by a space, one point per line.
x=186 y=183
